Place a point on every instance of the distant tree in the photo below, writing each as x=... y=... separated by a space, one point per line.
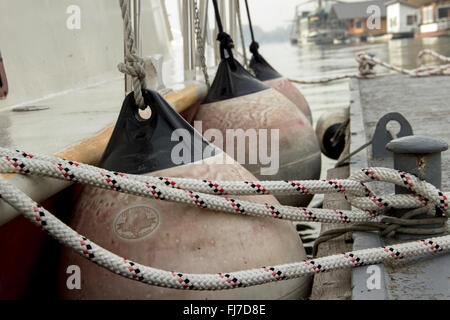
x=279 y=34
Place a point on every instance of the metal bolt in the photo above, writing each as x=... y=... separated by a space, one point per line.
x=419 y=155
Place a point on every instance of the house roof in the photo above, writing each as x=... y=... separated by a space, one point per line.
x=402 y=2
x=352 y=10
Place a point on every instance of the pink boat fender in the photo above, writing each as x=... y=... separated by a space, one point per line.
x=273 y=126
x=265 y=72
x=174 y=236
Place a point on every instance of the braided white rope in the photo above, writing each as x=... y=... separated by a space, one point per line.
x=245 y=278
x=134 y=65
x=367 y=62
x=429 y=52
x=422 y=71
x=207 y=194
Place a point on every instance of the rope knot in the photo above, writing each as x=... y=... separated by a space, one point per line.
x=133 y=66
x=366 y=64
x=254 y=46
x=226 y=43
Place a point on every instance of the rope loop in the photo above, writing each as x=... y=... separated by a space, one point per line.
x=214 y=195
x=26 y=163
x=133 y=66
x=367 y=62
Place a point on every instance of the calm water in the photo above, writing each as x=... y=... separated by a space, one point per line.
x=313 y=62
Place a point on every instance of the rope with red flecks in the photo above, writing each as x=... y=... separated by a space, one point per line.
x=172 y=189
x=209 y=193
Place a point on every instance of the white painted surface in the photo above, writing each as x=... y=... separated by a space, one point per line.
x=397 y=18
x=43 y=56
x=431 y=27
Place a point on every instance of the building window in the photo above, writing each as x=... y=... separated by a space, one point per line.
x=443 y=12
x=411 y=19
x=358 y=24
x=428 y=14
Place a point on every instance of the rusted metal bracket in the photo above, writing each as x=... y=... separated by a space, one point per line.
x=3 y=80
x=383 y=136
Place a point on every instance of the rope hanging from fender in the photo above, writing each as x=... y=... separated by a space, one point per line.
x=254 y=46
x=174 y=190
x=226 y=43
x=241 y=31
x=134 y=65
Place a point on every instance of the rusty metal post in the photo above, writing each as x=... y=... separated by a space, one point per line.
x=419 y=155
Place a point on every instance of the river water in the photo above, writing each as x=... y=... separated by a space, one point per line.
x=306 y=62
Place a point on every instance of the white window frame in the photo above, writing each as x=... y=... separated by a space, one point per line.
x=428 y=14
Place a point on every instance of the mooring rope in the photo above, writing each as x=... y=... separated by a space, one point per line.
x=390 y=226
x=432 y=53
x=172 y=189
x=209 y=194
x=367 y=62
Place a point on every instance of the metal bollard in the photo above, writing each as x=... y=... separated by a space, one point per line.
x=419 y=155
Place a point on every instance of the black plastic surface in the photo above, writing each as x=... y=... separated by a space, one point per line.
x=262 y=69
x=140 y=146
x=333 y=151
x=232 y=81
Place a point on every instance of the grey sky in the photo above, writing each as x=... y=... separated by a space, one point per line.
x=268 y=14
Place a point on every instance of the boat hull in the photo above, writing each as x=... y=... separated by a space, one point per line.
x=181 y=238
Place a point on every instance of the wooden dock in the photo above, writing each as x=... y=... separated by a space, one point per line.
x=425 y=103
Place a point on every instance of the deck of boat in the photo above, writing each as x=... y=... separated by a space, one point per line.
x=424 y=102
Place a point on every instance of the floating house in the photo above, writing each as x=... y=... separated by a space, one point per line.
x=435 y=18
x=360 y=19
x=403 y=19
